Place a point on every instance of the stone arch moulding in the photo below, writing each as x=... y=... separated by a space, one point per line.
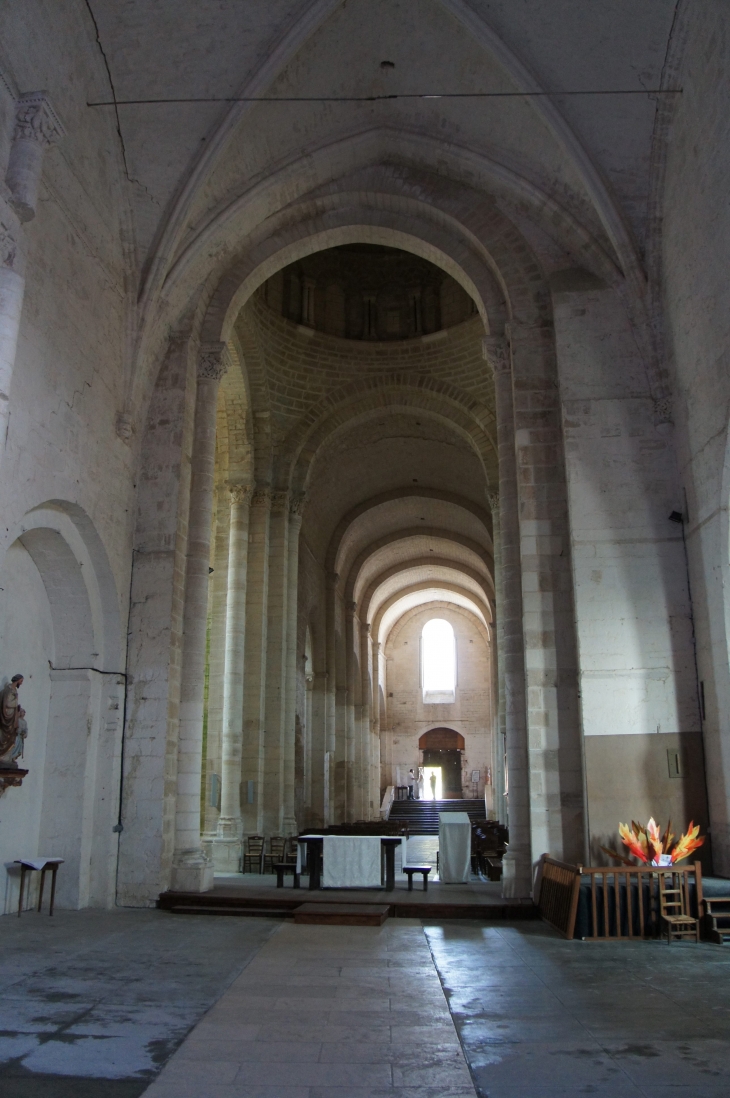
x=82 y=753
x=369 y=397
x=57 y=531
x=346 y=521
x=441 y=739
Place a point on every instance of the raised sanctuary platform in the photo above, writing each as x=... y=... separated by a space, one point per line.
x=257 y=895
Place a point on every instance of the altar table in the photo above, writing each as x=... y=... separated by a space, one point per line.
x=315 y=844
x=454 y=847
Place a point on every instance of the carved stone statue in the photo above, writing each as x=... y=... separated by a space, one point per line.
x=19 y=748
x=10 y=715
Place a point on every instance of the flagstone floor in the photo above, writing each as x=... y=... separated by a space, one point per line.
x=124 y=1003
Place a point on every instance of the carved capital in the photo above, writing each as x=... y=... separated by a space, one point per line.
x=493 y=498
x=124 y=426
x=213 y=361
x=296 y=503
x=495 y=350
x=663 y=410
x=239 y=493
x=8 y=247
x=261 y=497
x=279 y=502
x=36 y=120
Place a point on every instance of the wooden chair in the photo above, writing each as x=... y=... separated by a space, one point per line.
x=253 y=854
x=277 y=844
x=674 y=907
x=290 y=851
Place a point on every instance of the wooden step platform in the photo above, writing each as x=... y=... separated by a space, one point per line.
x=239 y=897
x=338 y=914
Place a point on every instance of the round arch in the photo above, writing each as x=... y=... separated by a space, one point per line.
x=441 y=739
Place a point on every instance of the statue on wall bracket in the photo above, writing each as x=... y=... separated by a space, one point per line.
x=13 y=733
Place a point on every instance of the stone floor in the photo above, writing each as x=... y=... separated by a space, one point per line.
x=327 y=1012
x=94 y=1004
x=540 y=1017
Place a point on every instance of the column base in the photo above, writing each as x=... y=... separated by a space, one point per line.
x=289 y=826
x=226 y=854
x=516 y=875
x=192 y=871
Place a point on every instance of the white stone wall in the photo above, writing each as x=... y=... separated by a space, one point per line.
x=695 y=222
x=68 y=387
x=637 y=673
x=409 y=717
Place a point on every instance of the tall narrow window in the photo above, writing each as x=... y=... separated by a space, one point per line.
x=438 y=662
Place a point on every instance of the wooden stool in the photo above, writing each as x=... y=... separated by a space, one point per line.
x=424 y=870
x=285 y=867
x=41 y=864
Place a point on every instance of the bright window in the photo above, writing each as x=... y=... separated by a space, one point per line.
x=438 y=662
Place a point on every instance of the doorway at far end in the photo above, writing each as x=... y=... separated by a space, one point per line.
x=432 y=783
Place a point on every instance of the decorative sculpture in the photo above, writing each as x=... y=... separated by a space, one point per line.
x=10 y=714
x=13 y=732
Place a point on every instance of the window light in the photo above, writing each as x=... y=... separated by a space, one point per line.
x=438 y=662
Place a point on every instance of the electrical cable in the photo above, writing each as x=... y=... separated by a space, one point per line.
x=376 y=98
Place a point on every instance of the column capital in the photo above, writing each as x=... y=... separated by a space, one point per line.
x=493 y=499
x=261 y=497
x=495 y=349
x=213 y=361
x=239 y=493
x=296 y=503
x=279 y=501
x=36 y=120
x=8 y=248
x=663 y=410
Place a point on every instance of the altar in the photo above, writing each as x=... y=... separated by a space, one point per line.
x=349 y=861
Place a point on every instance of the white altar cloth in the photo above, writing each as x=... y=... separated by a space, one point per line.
x=351 y=861
x=454 y=847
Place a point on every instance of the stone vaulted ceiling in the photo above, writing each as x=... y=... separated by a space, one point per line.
x=592 y=153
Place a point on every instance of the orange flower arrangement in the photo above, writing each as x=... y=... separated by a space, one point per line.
x=652 y=848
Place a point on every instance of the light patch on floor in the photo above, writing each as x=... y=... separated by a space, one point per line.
x=93 y=995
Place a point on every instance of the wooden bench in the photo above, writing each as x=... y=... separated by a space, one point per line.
x=424 y=870
x=280 y=868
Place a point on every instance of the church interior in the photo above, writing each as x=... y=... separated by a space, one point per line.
x=365 y=472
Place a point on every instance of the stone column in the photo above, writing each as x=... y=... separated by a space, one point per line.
x=517 y=872
x=37 y=127
x=12 y=288
x=351 y=631
x=368 y=799
x=331 y=790
x=192 y=870
x=273 y=799
x=296 y=507
x=254 y=698
x=227 y=845
x=498 y=677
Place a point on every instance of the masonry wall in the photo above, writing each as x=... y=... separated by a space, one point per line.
x=695 y=246
x=637 y=676
x=69 y=384
x=407 y=715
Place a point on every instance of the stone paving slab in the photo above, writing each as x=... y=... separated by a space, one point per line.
x=343 y=1012
x=95 y=1002
x=545 y=1018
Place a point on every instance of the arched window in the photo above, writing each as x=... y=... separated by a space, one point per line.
x=438 y=662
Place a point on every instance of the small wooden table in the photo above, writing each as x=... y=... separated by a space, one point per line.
x=27 y=865
x=285 y=867
x=424 y=870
